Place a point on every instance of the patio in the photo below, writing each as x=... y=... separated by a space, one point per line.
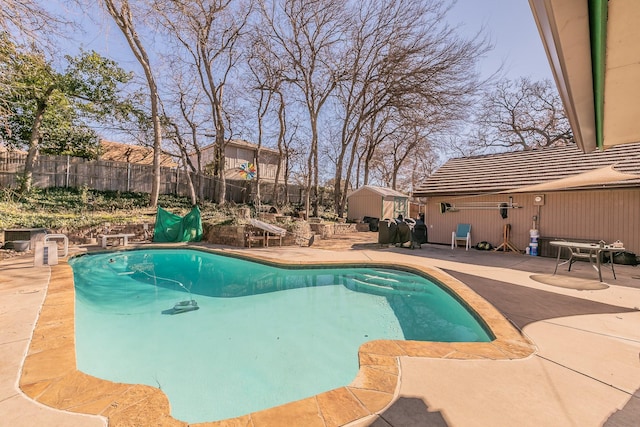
x=585 y=371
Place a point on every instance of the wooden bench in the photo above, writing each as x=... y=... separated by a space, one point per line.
x=260 y=231
x=257 y=235
x=120 y=238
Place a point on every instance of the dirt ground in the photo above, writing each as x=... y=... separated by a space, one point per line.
x=357 y=240
x=10 y=253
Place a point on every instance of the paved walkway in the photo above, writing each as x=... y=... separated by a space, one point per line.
x=584 y=373
x=22 y=291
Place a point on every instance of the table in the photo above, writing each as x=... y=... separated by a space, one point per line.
x=124 y=238
x=590 y=251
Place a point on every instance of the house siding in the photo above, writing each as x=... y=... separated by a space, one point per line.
x=236 y=155
x=609 y=215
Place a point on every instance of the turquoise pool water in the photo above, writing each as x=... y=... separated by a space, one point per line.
x=263 y=335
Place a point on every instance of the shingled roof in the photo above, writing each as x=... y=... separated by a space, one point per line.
x=119 y=152
x=381 y=191
x=241 y=143
x=505 y=171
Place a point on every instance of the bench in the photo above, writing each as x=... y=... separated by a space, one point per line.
x=255 y=234
x=260 y=231
x=124 y=238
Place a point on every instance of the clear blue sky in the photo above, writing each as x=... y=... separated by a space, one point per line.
x=513 y=31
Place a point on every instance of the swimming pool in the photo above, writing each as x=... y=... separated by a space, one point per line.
x=303 y=326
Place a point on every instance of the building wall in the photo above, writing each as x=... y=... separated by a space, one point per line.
x=391 y=209
x=607 y=215
x=236 y=156
x=364 y=204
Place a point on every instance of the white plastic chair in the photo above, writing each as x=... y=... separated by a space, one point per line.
x=462 y=233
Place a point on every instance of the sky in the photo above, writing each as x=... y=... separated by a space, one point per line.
x=512 y=29
x=509 y=24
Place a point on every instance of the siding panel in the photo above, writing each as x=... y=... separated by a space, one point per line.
x=607 y=215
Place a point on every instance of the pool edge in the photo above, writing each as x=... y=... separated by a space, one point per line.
x=49 y=373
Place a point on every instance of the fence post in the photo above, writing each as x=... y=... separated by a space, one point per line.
x=66 y=178
x=177 y=179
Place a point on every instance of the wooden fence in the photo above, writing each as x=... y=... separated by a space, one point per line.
x=67 y=171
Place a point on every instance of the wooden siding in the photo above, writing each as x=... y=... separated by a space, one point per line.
x=376 y=202
x=236 y=155
x=607 y=215
x=388 y=208
x=364 y=204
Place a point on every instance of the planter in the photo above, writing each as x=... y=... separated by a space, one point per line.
x=21 y=245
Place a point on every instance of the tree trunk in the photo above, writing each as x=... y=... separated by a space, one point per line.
x=347 y=180
x=313 y=164
x=124 y=19
x=281 y=135
x=157 y=147
x=27 y=176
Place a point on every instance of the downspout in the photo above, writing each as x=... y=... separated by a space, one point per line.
x=598 y=35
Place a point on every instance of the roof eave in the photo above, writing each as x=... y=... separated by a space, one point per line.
x=565 y=33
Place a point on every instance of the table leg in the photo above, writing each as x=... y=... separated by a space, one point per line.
x=557 y=260
x=599 y=268
x=613 y=270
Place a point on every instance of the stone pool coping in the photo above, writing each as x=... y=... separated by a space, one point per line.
x=49 y=373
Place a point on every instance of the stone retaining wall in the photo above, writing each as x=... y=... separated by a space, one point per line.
x=230 y=235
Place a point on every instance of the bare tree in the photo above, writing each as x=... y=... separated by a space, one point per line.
x=188 y=95
x=189 y=117
x=173 y=133
x=208 y=31
x=521 y=115
x=267 y=81
x=282 y=150
x=377 y=130
x=407 y=138
x=121 y=13
x=29 y=19
x=308 y=35
x=402 y=62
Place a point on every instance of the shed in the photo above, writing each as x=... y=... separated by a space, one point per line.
x=376 y=202
x=560 y=191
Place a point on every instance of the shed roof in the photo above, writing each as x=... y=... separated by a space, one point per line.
x=382 y=191
x=505 y=171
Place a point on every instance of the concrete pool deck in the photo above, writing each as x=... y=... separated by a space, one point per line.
x=584 y=371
